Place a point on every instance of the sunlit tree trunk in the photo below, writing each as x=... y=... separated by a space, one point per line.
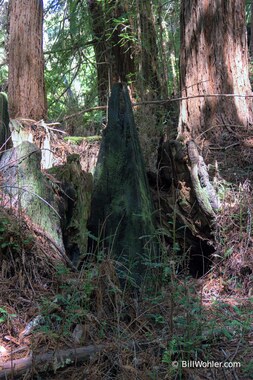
x=251 y=32
x=213 y=128
x=162 y=45
x=26 y=64
x=213 y=60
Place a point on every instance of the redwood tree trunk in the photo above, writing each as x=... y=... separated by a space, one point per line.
x=100 y=47
x=251 y=32
x=149 y=52
x=126 y=47
x=216 y=128
x=114 y=56
x=26 y=64
x=214 y=60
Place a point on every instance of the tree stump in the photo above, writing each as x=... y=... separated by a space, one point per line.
x=122 y=211
x=25 y=186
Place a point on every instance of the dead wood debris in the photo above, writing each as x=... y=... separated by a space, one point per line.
x=47 y=361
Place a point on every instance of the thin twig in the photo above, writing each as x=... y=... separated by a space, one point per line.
x=36 y=195
x=161 y=101
x=56 y=130
x=83 y=111
x=5 y=143
x=53 y=242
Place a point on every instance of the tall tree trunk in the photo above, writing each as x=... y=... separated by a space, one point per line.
x=121 y=57
x=213 y=60
x=100 y=47
x=26 y=64
x=164 y=67
x=149 y=52
x=251 y=32
x=215 y=111
x=114 y=56
x=117 y=49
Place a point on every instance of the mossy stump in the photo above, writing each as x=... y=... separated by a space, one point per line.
x=122 y=212
x=26 y=187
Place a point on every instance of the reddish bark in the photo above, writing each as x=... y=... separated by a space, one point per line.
x=214 y=60
x=26 y=65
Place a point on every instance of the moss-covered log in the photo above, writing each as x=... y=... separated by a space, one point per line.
x=122 y=212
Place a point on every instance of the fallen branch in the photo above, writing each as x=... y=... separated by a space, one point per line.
x=211 y=96
x=161 y=101
x=83 y=111
x=48 y=361
x=164 y=101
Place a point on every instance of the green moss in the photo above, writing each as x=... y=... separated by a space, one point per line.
x=38 y=199
x=77 y=140
x=27 y=187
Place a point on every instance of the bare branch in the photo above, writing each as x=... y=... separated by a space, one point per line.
x=162 y=101
x=85 y=110
x=211 y=96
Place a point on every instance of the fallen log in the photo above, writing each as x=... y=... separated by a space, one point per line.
x=50 y=361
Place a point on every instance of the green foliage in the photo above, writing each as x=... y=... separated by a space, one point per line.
x=71 y=73
x=5 y=316
x=170 y=14
x=196 y=330
x=3 y=35
x=248 y=10
x=248 y=368
x=6 y=240
x=69 y=306
x=69 y=58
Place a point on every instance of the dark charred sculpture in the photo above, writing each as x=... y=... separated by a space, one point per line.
x=122 y=213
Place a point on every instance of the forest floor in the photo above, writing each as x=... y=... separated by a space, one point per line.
x=57 y=323
x=161 y=333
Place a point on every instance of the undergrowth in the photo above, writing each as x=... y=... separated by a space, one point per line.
x=151 y=333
